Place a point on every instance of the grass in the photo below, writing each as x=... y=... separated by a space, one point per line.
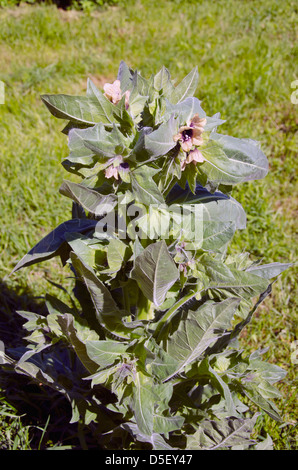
x=245 y=52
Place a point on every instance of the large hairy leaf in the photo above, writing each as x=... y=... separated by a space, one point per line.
x=116 y=254
x=144 y=188
x=105 y=353
x=142 y=403
x=50 y=245
x=184 y=110
x=186 y=87
x=79 y=153
x=95 y=140
x=149 y=402
x=216 y=235
x=199 y=330
x=107 y=311
x=231 y=281
x=223 y=434
x=268 y=271
x=155 y=439
x=189 y=222
x=160 y=141
x=125 y=75
x=92 y=201
x=155 y=272
x=257 y=394
x=230 y=160
x=80 y=109
x=162 y=81
x=78 y=336
x=165 y=424
x=217 y=207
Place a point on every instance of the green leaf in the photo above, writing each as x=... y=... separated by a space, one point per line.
x=189 y=222
x=79 y=153
x=92 y=201
x=163 y=82
x=125 y=75
x=156 y=440
x=230 y=281
x=81 y=246
x=33 y=320
x=36 y=373
x=230 y=160
x=144 y=188
x=95 y=140
x=142 y=86
x=105 y=353
x=164 y=365
x=226 y=433
x=165 y=424
x=78 y=334
x=216 y=235
x=137 y=104
x=155 y=271
x=50 y=245
x=107 y=311
x=184 y=110
x=143 y=403
x=116 y=254
x=225 y=391
x=213 y=122
x=80 y=109
x=252 y=391
x=215 y=207
x=241 y=325
x=269 y=372
x=186 y=87
x=160 y=141
x=266 y=444
x=199 y=330
x=268 y=271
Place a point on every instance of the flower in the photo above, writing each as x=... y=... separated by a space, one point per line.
x=191 y=134
x=183 y=267
x=180 y=248
x=112 y=91
x=127 y=95
x=117 y=168
x=112 y=171
x=194 y=156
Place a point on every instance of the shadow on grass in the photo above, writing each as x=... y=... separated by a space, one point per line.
x=67 y=4
x=36 y=404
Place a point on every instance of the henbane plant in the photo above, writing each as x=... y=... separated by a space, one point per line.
x=147 y=349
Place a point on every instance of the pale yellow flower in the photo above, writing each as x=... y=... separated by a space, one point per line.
x=112 y=91
x=116 y=165
x=194 y=156
x=127 y=95
x=191 y=134
x=112 y=171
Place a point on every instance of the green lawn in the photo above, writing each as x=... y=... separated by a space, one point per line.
x=245 y=52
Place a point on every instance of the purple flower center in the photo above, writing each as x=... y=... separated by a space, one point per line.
x=124 y=166
x=187 y=135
